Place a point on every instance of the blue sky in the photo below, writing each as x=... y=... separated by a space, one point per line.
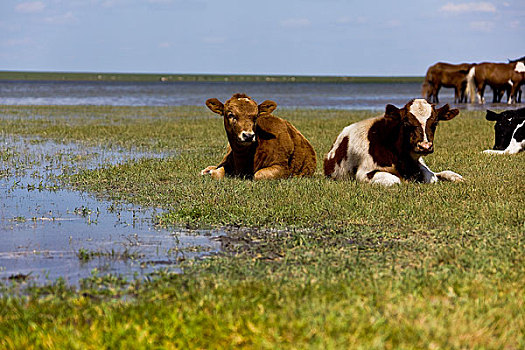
x=330 y=37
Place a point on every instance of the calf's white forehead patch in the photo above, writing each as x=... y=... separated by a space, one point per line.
x=520 y=67
x=244 y=99
x=421 y=109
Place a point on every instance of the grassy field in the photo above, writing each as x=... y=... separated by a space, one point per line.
x=170 y=77
x=308 y=263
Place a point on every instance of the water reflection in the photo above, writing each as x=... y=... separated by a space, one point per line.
x=46 y=232
x=371 y=96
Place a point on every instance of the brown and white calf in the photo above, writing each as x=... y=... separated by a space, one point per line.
x=389 y=148
x=261 y=146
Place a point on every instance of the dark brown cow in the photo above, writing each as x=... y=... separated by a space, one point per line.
x=446 y=75
x=261 y=146
x=389 y=148
x=498 y=76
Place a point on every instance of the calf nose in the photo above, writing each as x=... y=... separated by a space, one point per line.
x=247 y=136
x=425 y=146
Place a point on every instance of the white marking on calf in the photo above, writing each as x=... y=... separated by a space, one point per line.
x=520 y=67
x=357 y=152
x=422 y=110
x=341 y=169
x=338 y=141
x=244 y=99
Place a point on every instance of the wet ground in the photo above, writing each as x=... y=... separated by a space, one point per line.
x=47 y=232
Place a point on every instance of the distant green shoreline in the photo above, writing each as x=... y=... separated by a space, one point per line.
x=157 y=77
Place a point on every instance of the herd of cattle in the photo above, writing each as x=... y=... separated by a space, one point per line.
x=470 y=79
x=384 y=150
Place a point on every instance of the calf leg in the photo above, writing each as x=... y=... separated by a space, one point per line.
x=364 y=174
x=427 y=174
x=214 y=172
x=448 y=175
x=492 y=151
x=507 y=151
x=271 y=173
x=513 y=148
x=430 y=177
x=385 y=179
x=219 y=171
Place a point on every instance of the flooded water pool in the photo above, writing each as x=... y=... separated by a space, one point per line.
x=48 y=233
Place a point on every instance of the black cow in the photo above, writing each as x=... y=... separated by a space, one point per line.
x=510 y=131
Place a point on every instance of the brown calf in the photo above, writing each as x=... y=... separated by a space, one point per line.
x=261 y=146
x=389 y=148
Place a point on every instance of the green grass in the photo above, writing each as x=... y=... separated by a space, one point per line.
x=309 y=263
x=170 y=77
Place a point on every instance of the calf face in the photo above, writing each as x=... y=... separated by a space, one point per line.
x=240 y=113
x=417 y=122
x=509 y=127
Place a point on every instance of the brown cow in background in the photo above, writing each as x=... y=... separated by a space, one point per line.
x=499 y=92
x=261 y=146
x=498 y=76
x=447 y=75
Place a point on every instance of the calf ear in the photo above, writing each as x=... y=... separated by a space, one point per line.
x=445 y=113
x=267 y=107
x=492 y=116
x=215 y=105
x=392 y=112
